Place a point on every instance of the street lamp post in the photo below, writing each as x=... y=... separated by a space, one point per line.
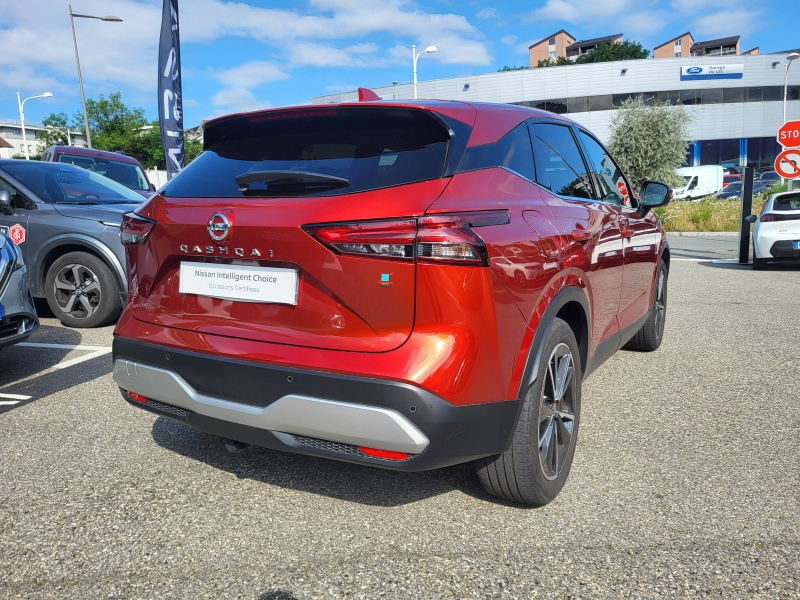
x=72 y=14
x=789 y=59
x=416 y=57
x=22 y=119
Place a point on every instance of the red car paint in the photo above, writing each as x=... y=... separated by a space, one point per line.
x=462 y=332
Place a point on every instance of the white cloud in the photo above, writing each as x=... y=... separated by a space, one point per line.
x=509 y=40
x=252 y=74
x=237 y=100
x=488 y=13
x=728 y=22
x=327 y=55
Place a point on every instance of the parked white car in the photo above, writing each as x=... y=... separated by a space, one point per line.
x=776 y=236
x=700 y=182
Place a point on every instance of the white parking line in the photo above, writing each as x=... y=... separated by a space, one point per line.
x=9 y=402
x=95 y=351
x=16 y=397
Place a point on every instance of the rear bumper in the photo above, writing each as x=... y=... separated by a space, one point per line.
x=310 y=412
x=784 y=249
x=18 y=318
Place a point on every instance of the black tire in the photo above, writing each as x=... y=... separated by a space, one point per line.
x=649 y=337
x=759 y=264
x=98 y=301
x=521 y=473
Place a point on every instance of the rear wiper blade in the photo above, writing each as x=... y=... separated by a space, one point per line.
x=289 y=177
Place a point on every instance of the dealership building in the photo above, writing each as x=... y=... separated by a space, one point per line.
x=736 y=101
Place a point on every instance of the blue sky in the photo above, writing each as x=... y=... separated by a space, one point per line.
x=247 y=55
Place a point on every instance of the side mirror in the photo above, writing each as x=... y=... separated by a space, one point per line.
x=6 y=207
x=751 y=218
x=653 y=194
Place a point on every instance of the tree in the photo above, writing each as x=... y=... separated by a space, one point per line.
x=57 y=132
x=514 y=68
x=606 y=52
x=112 y=124
x=650 y=142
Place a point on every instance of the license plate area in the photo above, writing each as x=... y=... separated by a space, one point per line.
x=796 y=245
x=240 y=283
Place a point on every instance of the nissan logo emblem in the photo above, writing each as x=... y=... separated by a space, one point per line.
x=219 y=227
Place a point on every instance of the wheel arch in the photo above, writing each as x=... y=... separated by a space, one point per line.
x=61 y=245
x=572 y=306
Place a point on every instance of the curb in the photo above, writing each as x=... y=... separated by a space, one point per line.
x=703 y=233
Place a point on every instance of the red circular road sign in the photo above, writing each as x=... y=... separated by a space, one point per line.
x=789 y=134
x=787 y=164
x=17 y=234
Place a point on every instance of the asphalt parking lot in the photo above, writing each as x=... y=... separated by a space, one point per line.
x=685 y=483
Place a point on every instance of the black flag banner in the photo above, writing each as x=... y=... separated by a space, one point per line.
x=170 y=101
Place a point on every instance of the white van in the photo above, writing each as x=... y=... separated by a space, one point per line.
x=700 y=182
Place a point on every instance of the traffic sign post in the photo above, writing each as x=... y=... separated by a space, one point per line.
x=787 y=164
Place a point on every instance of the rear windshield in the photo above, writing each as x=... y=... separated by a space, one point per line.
x=128 y=174
x=786 y=204
x=371 y=148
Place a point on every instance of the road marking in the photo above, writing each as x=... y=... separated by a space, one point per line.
x=95 y=351
x=8 y=402
x=15 y=397
x=691 y=259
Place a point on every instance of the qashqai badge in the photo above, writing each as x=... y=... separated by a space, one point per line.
x=694 y=70
x=219 y=227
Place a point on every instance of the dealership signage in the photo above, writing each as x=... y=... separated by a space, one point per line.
x=694 y=72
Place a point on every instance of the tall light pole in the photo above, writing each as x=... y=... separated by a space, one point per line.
x=789 y=59
x=22 y=119
x=416 y=56
x=72 y=16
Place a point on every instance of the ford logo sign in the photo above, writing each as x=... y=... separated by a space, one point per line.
x=694 y=70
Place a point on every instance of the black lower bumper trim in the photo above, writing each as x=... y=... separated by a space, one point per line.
x=456 y=433
x=784 y=249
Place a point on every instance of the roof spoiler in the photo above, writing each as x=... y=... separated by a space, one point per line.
x=365 y=95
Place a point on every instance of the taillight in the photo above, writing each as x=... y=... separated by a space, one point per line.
x=767 y=218
x=135 y=229
x=439 y=238
x=380 y=239
x=385 y=454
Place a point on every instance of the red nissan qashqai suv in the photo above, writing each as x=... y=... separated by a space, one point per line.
x=406 y=285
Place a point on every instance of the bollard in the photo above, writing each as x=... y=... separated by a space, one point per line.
x=747 y=209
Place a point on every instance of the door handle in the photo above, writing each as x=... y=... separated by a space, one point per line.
x=582 y=235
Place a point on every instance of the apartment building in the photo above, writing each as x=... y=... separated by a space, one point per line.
x=684 y=46
x=11 y=143
x=562 y=44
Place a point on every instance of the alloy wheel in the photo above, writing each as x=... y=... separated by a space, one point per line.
x=556 y=412
x=77 y=291
x=661 y=305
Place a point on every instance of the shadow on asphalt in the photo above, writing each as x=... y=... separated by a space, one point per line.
x=21 y=363
x=277 y=595
x=774 y=267
x=362 y=484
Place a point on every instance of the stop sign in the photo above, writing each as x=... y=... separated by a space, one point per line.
x=789 y=134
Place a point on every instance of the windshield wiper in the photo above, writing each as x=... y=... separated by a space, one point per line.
x=290 y=178
x=77 y=202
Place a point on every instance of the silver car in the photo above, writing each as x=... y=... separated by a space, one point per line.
x=66 y=222
x=17 y=313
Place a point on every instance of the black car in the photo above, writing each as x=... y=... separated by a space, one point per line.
x=66 y=222
x=734 y=190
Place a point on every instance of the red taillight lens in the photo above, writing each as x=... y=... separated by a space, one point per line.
x=767 y=218
x=439 y=238
x=137 y=397
x=387 y=454
x=380 y=239
x=135 y=229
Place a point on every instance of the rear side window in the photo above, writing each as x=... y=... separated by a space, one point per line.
x=559 y=164
x=512 y=151
x=370 y=147
x=612 y=184
x=786 y=204
x=128 y=174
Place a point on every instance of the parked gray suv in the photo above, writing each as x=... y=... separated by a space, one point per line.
x=66 y=222
x=17 y=313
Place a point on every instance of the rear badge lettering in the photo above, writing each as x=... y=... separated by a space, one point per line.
x=221 y=251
